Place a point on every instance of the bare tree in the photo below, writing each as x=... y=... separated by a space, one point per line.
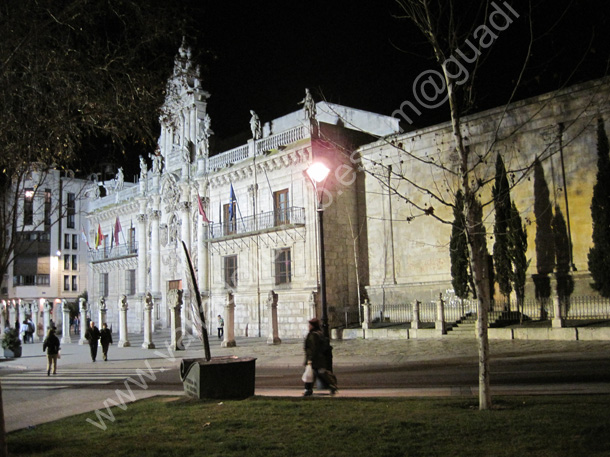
x=459 y=34
x=71 y=71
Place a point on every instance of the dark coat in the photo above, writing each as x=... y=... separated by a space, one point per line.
x=315 y=350
x=92 y=335
x=51 y=344
x=105 y=336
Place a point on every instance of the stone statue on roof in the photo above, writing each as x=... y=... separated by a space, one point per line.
x=255 y=126
x=309 y=106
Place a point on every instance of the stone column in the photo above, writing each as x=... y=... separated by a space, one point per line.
x=142 y=252
x=174 y=298
x=273 y=337
x=440 y=316
x=148 y=307
x=155 y=255
x=82 y=307
x=558 y=320
x=123 y=338
x=102 y=313
x=35 y=311
x=65 y=323
x=415 y=322
x=21 y=313
x=203 y=229
x=366 y=318
x=229 y=336
x=3 y=315
x=46 y=320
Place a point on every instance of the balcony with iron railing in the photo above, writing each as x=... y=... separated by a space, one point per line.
x=113 y=253
x=249 y=225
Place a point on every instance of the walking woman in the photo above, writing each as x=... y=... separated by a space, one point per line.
x=51 y=345
x=105 y=339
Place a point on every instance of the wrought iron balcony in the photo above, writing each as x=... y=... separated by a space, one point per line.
x=281 y=218
x=115 y=252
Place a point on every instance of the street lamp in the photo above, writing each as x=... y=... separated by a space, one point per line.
x=318 y=172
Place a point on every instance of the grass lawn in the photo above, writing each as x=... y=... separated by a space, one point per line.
x=290 y=427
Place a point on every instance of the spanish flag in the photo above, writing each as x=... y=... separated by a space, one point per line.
x=98 y=237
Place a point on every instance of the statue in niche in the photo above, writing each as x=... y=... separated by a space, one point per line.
x=204 y=135
x=119 y=180
x=309 y=106
x=255 y=126
x=143 y=168
x=173 y=230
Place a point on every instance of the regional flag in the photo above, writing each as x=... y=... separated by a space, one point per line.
x=201 y=210
x=98 y=237
x=117 y=229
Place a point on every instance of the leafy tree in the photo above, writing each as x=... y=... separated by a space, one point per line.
x=599 y=254
x=461 y=277
x=502 y=246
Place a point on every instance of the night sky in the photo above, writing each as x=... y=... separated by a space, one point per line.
x=262 y=55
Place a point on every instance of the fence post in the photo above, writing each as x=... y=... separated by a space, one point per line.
x=415 y=323
x=440 y=315
x=366 y=320
x=558 y=321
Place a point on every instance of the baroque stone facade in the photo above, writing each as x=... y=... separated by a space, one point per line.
x=259 y=232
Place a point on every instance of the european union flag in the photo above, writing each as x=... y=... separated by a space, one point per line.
x=232 y=205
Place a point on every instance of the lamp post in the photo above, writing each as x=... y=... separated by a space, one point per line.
x=318 y=172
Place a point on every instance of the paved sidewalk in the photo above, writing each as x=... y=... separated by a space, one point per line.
x=31 y=406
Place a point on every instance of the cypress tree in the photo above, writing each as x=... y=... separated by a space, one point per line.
x=545 y=248
x=461 y=278
x=565 y=282
x=501 y=249
x=599 y=254
x=518 y=242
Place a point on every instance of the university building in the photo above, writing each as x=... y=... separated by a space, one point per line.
x=249 y=216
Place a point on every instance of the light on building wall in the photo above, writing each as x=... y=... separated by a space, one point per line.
x=318 y=172
x=58 y=253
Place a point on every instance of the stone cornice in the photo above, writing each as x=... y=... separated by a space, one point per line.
x=272 y=162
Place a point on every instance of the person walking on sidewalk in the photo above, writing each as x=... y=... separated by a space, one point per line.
x=106 y=340
x=92 y=335
x=51 y=346
x=221 y=326
x=318 y=355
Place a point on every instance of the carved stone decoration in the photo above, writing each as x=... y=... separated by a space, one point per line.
x=170 y=193
x=163 y=233
x=172 y=230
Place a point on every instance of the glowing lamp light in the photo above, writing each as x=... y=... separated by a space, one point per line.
x=58 y=253
x=318 y=172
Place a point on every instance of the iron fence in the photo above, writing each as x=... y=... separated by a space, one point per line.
x=455 y=310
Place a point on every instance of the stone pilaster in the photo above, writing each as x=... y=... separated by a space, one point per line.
x=273 y=337
x=142 y=252
x=123 y=337
x=82 y=308
x=174 y=302
x=155 y=253
x=148 y=307
x=35 y=317
x=65 y=323
x=229 y=334
x=46 y=319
